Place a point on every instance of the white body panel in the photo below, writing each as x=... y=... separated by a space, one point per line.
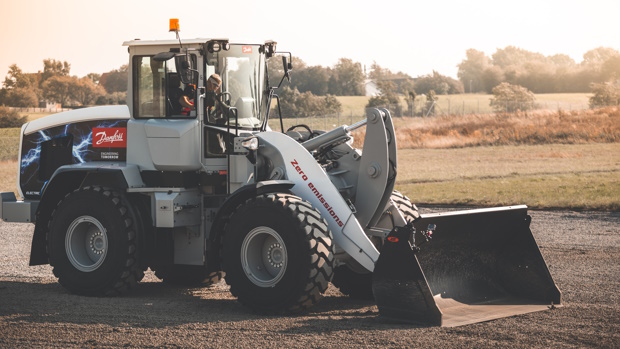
x=313 y=184
x=109 y=112
x=164 y=144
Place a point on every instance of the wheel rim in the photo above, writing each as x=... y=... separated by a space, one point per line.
x=86 y=243
x=264 y=257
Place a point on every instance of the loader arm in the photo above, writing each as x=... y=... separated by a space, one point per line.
x=377 y=171
x=313 y=184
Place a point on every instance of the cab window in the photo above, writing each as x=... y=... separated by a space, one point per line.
x=159 y=91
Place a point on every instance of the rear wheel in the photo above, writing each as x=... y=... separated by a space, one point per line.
x=277 y=254
x=92 y=242
x=355 y=281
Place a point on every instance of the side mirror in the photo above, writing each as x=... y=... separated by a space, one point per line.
x=287 y=65
x=163 y=56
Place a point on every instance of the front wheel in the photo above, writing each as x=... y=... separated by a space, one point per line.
x=277 y=254
x=92 y=242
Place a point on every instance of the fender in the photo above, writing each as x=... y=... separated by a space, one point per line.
x=69 y=178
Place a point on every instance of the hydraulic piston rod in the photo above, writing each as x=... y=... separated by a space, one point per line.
x=331 y=136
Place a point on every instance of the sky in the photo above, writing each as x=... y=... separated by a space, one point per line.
x=415 y=37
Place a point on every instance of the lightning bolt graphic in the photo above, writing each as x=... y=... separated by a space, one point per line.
x=81 y=142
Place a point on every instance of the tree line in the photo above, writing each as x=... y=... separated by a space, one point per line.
x=312 y=88
x=55 y=84
x=538 y=73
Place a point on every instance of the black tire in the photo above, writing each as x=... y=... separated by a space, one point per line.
x=286 y=244
x=353 y=280
x=409 y=210
x=106 y=266
x=188 y=275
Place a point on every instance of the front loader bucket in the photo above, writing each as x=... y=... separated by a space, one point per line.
x=480 y=265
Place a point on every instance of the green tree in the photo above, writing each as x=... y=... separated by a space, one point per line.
x=275 y=69
x=112 y=98
x=491 y=77
x=115 y=80
x=57 y=89
x=313 y=79
x=11 y=118
x=605 y=94
x=15 y=78
x=411 y=95
x=52 y=67
x=85 y=91
x=294 y=103
x=94 y=77
x=19 y=89
x=388 y=98
x=378 y=73
x=563 y=61
x=610 y=70
x=431 y=99
x=441 y=84
x=21 y=97
x=347 y=78
x=471 y=70
x=400 y=82
x=511 y=98
x=512 y=56
x=596 y=57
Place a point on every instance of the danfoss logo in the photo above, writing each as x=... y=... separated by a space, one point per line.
x=317 y=193
x=111 y=137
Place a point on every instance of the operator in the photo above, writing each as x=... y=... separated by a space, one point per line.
x=186 y=99
x=214 y=84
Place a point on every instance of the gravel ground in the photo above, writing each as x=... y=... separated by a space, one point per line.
x=582 y=250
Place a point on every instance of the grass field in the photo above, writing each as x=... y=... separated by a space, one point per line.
x=9 y=143
x=581 y=176
x=354 y=108
x=545 y=159
x=538 y=127
x=472 y=103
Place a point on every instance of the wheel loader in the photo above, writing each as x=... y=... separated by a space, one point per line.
x=209 y=190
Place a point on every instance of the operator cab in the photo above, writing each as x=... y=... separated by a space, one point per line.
x=180 y=120
x=169 y=84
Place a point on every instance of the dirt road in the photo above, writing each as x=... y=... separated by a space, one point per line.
x=582 y=250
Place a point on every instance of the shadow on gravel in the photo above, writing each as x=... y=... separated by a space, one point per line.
x=149 y=305
x=342 y=313
x=156 y=305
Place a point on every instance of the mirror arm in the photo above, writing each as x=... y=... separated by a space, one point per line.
x=281 y=81
x=279 y=112
x=268 y=113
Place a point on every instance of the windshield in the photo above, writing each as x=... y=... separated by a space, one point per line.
x=241 y=71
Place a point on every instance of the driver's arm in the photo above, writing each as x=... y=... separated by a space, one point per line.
x=185 y=102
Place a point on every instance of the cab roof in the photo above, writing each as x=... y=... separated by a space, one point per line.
x=138 y=42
